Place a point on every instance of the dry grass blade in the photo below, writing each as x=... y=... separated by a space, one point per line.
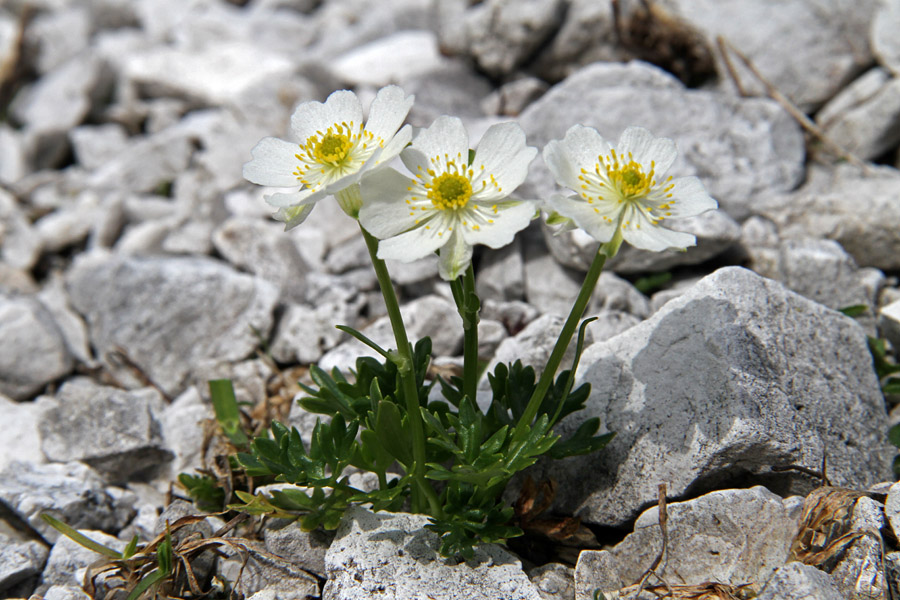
x=663 y=517
x=824 y=531
x=710 y=590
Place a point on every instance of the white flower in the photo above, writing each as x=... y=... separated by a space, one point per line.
x=334 y=152
x=448 y=204
x=621 y=191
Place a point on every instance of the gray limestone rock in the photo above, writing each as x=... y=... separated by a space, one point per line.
x=72 y=492
x=502 y=35
x=554 y=581
x=857 y=210
x=19 y=560
x=95 y=145
x=859 y=571
x=514 y=314
x=808 y=49
x=733 y=377
x=33 y=352
x=429 y=315
x=306 y=549
x=304 y=333
x=883 y=35
x=394 y=556
x=864 y=117
x=451 y=88
x=796 y=581
x=730 y=536
x=822 y=271
x=549 y=286
x=117 y=432
x=262 y=248
x=740 y=148
x=412 y=53
x=513 y=97
x=491 y=334
x=500 y=275
x=71 y=326
x=183 y=425
x=715 y=231
x=20 y=247
x=260 y=570
x=889 y=322
x=20 y=442
x=169 y=314
x=146 y=165
x=13 y=149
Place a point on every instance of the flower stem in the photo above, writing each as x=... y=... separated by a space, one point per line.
x=407 y=380
x=470 y=310
x=565 y=336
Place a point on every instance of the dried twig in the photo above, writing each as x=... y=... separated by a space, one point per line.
x=775 y=94
x=663 y=517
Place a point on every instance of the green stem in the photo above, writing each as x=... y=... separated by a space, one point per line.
x=468 y=305
x=407 y=380
x=565 y=336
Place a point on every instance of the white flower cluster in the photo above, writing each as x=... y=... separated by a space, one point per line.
x=452 y=198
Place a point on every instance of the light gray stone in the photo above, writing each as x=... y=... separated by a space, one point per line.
x=502 y=35
x=809 y=49
x=452 y=88
x=796 y=581
x=262 y=248
x=865 y=116
x=610 y=323
x=71 y=492
x=20 y=247
x=736 y=375
x=549 y=286
x=823 y=272
x=491 y=334
x=145 y=164
x=859 y=572
x=95 y=145
x=64 y=97
x=260 y=570
x=394 y=556
x=116 y=432
x=889 y=322
x=513 y=97
x=21 y=442
x=71 y=326
x=730 y=536
x=65 y=592
x=58 y=35
x=856 y=210
x=429 y=315
x=19 y=560
x=883 y=35
x=305 y=333
x=68 y=559
x=15 y=163
x=554 y=581
x=33 y=352
x=210 y=75
x=715 y=231
x=740 y=148
x=501 y=275
x=183 y=426
x=306 y=549
x=412 y=53
x=169 y=314
x=71 y=224
x=514 y=314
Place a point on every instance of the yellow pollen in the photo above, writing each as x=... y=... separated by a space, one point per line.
x=449 y=191
x=627 y=177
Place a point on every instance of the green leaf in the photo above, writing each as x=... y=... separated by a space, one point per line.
x=131 y=548
x=894 y=435
x=362 y=338
x=854 y=310
x=891 y=387
x=647 y=285
x=204 y=490
x=227 y=413
x=153 y=577
x=391 y=433
x=164 y=554
x=79 y=538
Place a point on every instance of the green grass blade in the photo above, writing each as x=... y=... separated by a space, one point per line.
x=80 y=539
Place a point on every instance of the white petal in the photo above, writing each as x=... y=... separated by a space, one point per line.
x=293 y=199
x=690 y=198
x=415 y=160
x=415 y=243
x=455 y=257
x=646 y=148
x=587 y=216
x=640 y=232
x=311 y=117
x=446 y=135
x=580 y=149
x=507 y=222
x=394 y=147
x=292 y=216
x=385 y=212
x=503 y=153
x=273 y=164
x=388 y=111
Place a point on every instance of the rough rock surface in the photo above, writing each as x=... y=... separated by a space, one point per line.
x=729 y=536
x=167 y=314
x=394 y=556
x=116 y=432
x=796 y=581
x=720 y=384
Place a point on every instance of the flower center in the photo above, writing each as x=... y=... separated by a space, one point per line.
x=629 y=178
x=333 y=148
x=450 y=191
